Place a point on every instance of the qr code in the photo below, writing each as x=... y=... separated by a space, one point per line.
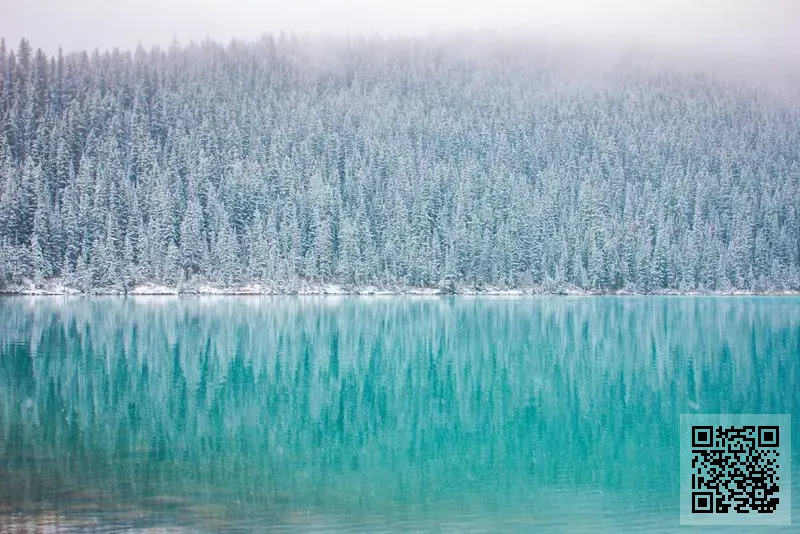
x=734 y=466
x=735 y=469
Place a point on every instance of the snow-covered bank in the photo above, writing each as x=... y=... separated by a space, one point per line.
x=307 y=288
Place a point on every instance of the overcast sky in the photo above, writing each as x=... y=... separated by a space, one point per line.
x=735 y=26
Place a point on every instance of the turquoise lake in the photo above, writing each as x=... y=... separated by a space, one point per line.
x=375 y=414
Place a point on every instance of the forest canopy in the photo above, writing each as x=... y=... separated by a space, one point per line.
x=391 y=162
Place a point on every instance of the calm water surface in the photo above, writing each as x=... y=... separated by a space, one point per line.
x=374 y=414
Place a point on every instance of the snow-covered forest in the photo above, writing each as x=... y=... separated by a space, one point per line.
x=391 y=162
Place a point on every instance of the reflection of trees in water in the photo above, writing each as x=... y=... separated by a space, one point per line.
x=350 y=398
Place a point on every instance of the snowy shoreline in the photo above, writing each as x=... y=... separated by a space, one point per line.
x=152 y=289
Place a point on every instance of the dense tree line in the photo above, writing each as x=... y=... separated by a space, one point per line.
x=391 y=161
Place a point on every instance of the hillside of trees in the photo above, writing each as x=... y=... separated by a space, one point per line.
x=391 y=162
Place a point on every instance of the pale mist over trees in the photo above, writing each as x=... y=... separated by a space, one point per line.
x=391 y=162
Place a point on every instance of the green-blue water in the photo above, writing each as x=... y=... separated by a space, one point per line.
x=374 y=414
